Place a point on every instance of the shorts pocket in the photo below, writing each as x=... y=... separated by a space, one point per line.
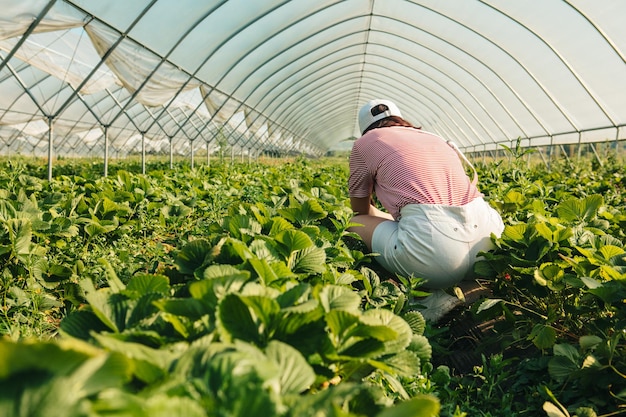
x=458 y=231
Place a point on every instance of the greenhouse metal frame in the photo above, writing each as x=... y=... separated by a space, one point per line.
x=93 y=78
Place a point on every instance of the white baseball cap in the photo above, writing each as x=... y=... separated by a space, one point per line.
x=367 y=117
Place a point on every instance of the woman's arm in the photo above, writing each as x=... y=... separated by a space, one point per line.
x=362 y=205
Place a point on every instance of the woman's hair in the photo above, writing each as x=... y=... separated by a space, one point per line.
x=388 y=122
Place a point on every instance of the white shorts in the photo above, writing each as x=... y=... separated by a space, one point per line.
x=436 y=242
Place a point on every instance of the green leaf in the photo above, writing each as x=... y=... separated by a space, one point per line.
x=591 y=283
x=146 y=283
x=516 y=232
x=60 y=358
x=610 y=251
x=280 y=224
x=294 y=240
x=81 y=323
x=416 y=321
x=20 y=234
x=550 y=275
x=219 y=280
x=193 y=255
x=296 y=294
x=162 y=405
x=142 y=309
x=340 y=322
x=554 y=411
x=304 y=213
x=101 y=372
x=421 y=347
x=334 y=297
x=236 y=320
x=265 y=309
x=115 y=284
x=225 y=271
x=265 y=272
x=586 y=412
x=581 y=210
x=561 y=368
x=295 y=373
x=310 y=260
x=421 y=405
x=298 y=316
x=149 y=364
x=405 y=363
x=488 y=303
x=568 y=351
x=96 y=227
x=589 y=342
x=386 y=318
x=542 y=336
x=99 y=302
x=241 y=226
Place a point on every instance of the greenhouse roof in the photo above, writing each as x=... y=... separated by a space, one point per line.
x=86 y=76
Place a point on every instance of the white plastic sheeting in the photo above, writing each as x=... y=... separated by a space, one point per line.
x=80 y=77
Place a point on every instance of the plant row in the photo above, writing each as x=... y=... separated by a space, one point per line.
x=236 y=289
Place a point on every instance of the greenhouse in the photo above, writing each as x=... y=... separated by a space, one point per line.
x=215 y=209
x=115 y=78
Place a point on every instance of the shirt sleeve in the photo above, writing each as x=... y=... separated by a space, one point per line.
x=361 y=181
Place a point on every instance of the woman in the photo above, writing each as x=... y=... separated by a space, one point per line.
x=436 y=220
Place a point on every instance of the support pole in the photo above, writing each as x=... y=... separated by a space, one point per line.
x=208 y=154
x=143 y=153
x=106 y=151
x=545 y=162
x=550 y=152
x=171 y=154
x=595 y=152
x=50 y=147
x=565 y=153
x=192 y=155
x=580 y=151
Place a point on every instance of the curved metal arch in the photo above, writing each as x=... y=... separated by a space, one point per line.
x=165 y=58
x=509 y=54
x=457 y=83
x=360 y=16
x=561 y=58
x=379 y=91
x=525 y=105
x=195 y=132
x=608 y=40
x=262 y=82
x=408 y=98
x=26 y=90
x=230 y=96
x=509 y=87
x=477 y=79
x=304 y=128
x=453 y=121
x=107 y=53
x=425 y=88
x=399 y=81
x=233 y=35
x=31 y=28
x=445 y=75
x=192 y=75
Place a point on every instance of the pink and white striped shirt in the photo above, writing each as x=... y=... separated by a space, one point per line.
x=403 y=165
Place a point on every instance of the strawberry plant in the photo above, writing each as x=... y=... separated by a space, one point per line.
x=236 y=289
